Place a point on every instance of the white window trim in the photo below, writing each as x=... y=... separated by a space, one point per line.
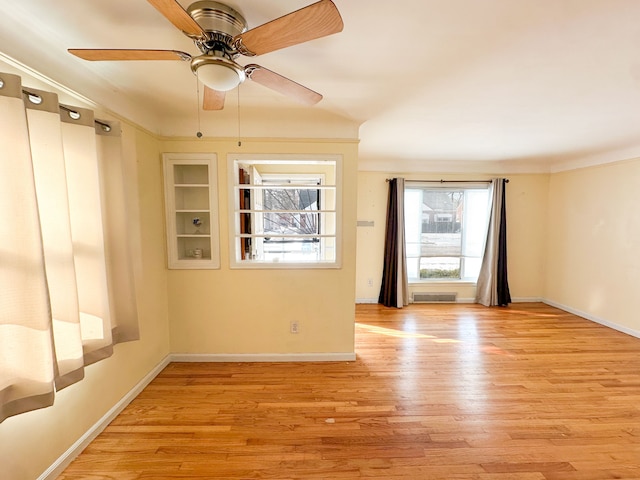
x=232 y=183
x=450 y=185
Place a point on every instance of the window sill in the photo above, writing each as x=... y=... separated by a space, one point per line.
x=436 y=281
x=259 y=265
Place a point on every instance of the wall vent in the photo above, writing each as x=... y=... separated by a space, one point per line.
x=434 y=297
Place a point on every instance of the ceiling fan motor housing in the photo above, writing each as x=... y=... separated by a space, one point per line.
x=221 y=22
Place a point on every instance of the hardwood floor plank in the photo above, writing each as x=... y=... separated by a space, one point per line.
x=528 y=467
x=450 y=392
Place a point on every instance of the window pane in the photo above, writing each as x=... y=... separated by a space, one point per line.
x=445 y=231
x=413 y=223
x=291 y=199
x=476 y=216
x=291 y=249
x=440 y=267
x=298 y=223
x=285 y=212
x=442 y=236
x=471 y=268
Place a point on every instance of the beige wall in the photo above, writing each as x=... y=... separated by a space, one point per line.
x=249 y=311
x=526 y=231
x=593 y=263
x=31 y=442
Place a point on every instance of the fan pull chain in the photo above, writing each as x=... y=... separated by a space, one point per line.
x=239 y=142
x=199 y=132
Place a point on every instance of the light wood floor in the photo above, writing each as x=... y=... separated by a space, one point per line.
x=438 y=392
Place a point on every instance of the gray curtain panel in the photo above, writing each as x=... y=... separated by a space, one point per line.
x=493 y=285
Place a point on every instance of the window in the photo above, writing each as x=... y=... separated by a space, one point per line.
x=445 y=230
x=285 y=212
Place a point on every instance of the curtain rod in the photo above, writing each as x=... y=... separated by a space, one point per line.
x=37 y=99
x=451 y=181
x=105 y=126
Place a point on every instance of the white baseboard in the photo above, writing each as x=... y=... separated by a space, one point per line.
x=74 y=450
x=462 y=300
x=366 y=300
x=513 y=300
x=601 y=321
x=375 y=300
x=526 y=300
x=465 y=300
x=263 y=357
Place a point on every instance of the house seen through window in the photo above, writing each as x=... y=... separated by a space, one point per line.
x=445 y=230
x=285 y=212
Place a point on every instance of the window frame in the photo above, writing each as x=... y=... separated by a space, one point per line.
x=289 y=161
x=449 y=186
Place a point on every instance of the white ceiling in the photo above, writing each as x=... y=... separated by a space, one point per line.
x=540 y=83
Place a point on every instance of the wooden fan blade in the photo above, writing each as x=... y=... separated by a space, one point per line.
x=317 y=20
x=177 y=15
x=119 y=54
x=213 y=99
x=281 y=84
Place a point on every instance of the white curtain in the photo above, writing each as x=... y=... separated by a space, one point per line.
x=66 y=285
x=118 y=251
x=51 y=186
x=492 y=288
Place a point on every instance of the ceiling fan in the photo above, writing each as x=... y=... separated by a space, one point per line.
x=221 y=34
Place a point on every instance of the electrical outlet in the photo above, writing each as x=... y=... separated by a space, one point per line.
x=370 y=282
x=295 y=327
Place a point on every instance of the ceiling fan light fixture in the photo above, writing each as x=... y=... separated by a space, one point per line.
x=218 y=73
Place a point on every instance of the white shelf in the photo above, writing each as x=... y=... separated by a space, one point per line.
x=191 y=210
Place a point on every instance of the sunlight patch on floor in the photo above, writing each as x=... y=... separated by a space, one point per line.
x=392 y=332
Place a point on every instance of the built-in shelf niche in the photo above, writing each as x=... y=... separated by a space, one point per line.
x=192 y=210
